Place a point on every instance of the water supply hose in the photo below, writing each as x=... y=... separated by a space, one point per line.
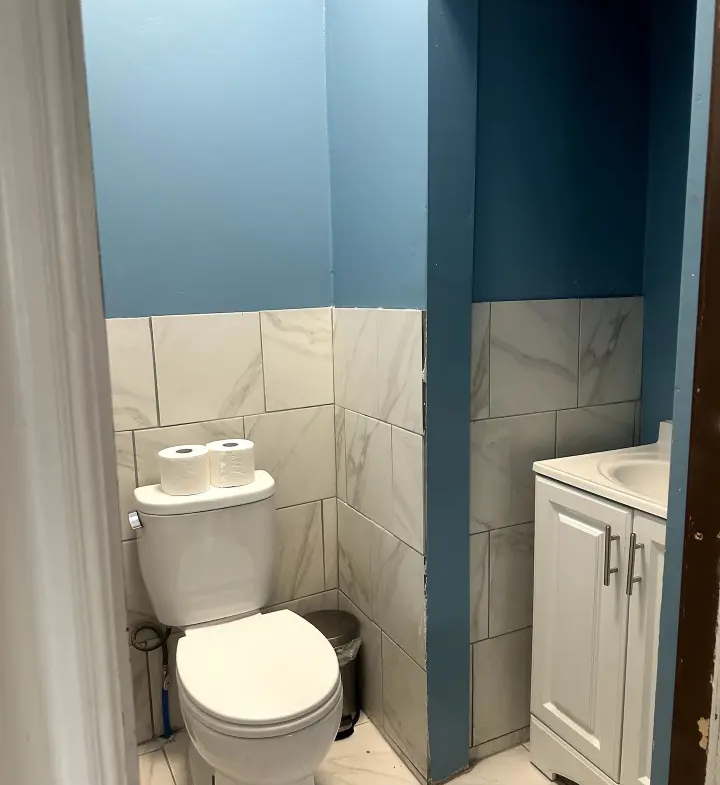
x=147 y=645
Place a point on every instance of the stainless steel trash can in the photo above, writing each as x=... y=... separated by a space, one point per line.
x=343 y=631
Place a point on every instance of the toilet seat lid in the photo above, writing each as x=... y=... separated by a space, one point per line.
x=260 y=670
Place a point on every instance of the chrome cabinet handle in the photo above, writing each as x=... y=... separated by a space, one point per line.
x=608 y=571
x=631 y=579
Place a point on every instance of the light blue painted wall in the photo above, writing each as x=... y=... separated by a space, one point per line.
x=211 y=156
x=672 y=50
x=377 y=66
x=452 y=46
x=690 y=276
x=561 y=160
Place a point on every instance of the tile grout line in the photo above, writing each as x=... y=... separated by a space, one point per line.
x=155 y=373
x=167 y=763
x=409 y=656
x=502 y=528
x=551 y=411
x=387 y=422
x=220 y=419
x=322 y=533
x=380 y=526
x=262 y=361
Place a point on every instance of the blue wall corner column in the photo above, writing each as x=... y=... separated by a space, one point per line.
x=692 y=246
x=672 y=36
x=561 y=154
x=452 y=48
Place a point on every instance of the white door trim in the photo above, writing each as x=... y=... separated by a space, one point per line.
x=65 y=694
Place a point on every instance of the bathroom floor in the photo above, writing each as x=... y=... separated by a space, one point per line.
x=363 y=759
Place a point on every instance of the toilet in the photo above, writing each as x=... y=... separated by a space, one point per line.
x=260 y=693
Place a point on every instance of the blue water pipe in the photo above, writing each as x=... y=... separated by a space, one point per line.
x=159 y=640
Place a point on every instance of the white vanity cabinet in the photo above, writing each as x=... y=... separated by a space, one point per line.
x=642 y=649
x=595 y=635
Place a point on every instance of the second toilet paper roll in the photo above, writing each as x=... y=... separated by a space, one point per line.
x=184 y=470
x=232 y=462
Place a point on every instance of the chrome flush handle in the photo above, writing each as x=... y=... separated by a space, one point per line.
x=631 y=579
x=608 y=571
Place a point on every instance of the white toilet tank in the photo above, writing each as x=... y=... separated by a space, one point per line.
x=208 y=556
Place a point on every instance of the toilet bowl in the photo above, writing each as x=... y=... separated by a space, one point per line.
x=261 y=697
x=260 y=693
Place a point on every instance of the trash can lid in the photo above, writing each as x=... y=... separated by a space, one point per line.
x=338 y=627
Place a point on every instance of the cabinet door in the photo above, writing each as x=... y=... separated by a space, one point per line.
x=642 y=650
x=580 y=624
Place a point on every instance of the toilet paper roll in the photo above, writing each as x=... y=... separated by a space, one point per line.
x=184 y=470
x=232 y=462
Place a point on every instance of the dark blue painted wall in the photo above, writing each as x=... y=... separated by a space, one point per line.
x=672 y=51
x=452 y=46
x=377 y=65
x=690 y=277
x=211 y=159
x=562 y=149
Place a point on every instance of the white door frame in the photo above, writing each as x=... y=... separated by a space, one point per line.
x=65 y=692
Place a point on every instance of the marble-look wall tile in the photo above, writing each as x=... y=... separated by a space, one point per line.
x=297 y=447
x=355 y=359
x=125 y=462
x=209 y=366
x=501 y=685
x=511 y=578
x=340 y=453
x=154 y=769
x=149 y=442
x=502 y=452
x=299 y=568
x=324 y=601
x=533 y=356
x=354 y=556
x=480 y=362
x=408 y=477
x=595 y=429
x=405 y=703
x=137 y=600
x=132 y=373
x=400 y=368
x=369 y=467
x=479 y=586
x=330 y=542
x=610 y=350
x=369 y=663
x=398 y=591
x=297 y=357
x=141 y=695
x=156 y=685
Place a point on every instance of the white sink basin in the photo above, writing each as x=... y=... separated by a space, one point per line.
x=648 y=477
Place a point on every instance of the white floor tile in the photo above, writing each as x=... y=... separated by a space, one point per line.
x=512 y=767
x=154 y=769
x=150 y=746
x=363 y=759
x=176 y=754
